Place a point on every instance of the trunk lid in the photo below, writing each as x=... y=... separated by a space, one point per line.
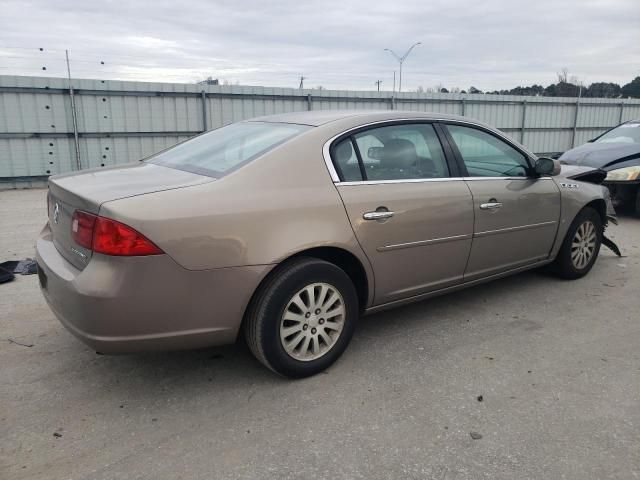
x=87 y=190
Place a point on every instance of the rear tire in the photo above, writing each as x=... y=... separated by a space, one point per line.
x=581 y=245
x=637 y=203
x=302 y=318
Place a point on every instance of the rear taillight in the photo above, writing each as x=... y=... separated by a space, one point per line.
x=106 y=236
x=82 y=228
x=115 y=238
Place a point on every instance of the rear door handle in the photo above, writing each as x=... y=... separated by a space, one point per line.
x=490 y=206
x=378 y=215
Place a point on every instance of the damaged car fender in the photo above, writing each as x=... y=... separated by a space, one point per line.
x=581 y=186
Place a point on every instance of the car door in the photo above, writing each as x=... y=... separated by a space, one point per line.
x=413 y=220
x=516 y=212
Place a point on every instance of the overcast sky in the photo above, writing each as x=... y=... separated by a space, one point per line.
x=490 y=44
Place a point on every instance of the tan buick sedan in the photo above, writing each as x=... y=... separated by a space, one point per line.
x=290 y=227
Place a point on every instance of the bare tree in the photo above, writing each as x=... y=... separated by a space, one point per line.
x=563 y=75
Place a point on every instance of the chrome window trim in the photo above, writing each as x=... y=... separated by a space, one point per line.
x=336 y=178
x=425 y=180
x=476 y=179
x=407 y=180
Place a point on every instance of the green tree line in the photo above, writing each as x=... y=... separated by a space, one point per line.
x=565 y=87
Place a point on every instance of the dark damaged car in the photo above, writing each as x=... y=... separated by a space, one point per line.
x=615 y=155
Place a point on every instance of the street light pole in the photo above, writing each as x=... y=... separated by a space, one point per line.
x=401 y=60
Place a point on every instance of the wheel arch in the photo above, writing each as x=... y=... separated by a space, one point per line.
x=342 y=258
x=348 y=262
x=600 y=206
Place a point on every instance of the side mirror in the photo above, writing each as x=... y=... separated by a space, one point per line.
x=547 y=166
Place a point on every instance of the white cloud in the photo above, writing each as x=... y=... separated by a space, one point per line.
x=338 y=44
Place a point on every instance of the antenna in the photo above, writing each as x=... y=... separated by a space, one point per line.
x=73 y=113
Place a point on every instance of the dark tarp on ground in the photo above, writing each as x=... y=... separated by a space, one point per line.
x=11 y=267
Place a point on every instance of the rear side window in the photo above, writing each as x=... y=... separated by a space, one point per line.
x=220 y=151
x=393 y=152
x=487 y=156
x=346 y=161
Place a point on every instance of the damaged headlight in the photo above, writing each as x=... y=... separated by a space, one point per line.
x=623 y=174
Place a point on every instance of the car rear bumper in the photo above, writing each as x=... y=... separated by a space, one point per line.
x=135 y=304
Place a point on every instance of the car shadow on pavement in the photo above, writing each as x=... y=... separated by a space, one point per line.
x=232 y=366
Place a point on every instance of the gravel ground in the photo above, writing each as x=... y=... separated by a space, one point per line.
x=544 y=373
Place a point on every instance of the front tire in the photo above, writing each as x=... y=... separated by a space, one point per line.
x=581 y=245
x=302 y=318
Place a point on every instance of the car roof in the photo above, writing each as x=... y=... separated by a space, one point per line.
x=321 y=117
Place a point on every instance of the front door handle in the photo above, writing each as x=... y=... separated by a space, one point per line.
x=490 y=206
x=377 y=215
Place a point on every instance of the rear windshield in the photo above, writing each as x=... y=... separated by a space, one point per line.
x=220 y=151
x=625 y=133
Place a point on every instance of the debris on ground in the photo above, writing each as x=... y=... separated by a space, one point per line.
x=11 y=340
x=475 y=435
x=27 y=266
x=607 y=242
x=480 y=398
x=9 y=269
x=6 y=276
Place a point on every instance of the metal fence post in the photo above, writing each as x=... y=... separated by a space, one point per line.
x=203 y=95
x=462 y=103
x=575 y=123
x=621 y=112
x=309 y=107
x=524 y=121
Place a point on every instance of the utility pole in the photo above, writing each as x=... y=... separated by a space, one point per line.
x=74 y=116
x=401 y=60
x=394 y=81
x=378 y=82
x=302 y=79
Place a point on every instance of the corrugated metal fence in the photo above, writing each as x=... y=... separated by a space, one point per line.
x=119 y=122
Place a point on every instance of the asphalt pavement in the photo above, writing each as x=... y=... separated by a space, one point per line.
x=529 y=377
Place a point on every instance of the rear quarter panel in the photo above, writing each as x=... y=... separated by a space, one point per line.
x=276 y=206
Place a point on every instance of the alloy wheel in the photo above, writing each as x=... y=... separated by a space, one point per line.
x=583 y=245
x=312 y=321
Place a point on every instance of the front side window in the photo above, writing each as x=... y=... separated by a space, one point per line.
x=225 y=149
x=399 y=152
x=487 y=156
